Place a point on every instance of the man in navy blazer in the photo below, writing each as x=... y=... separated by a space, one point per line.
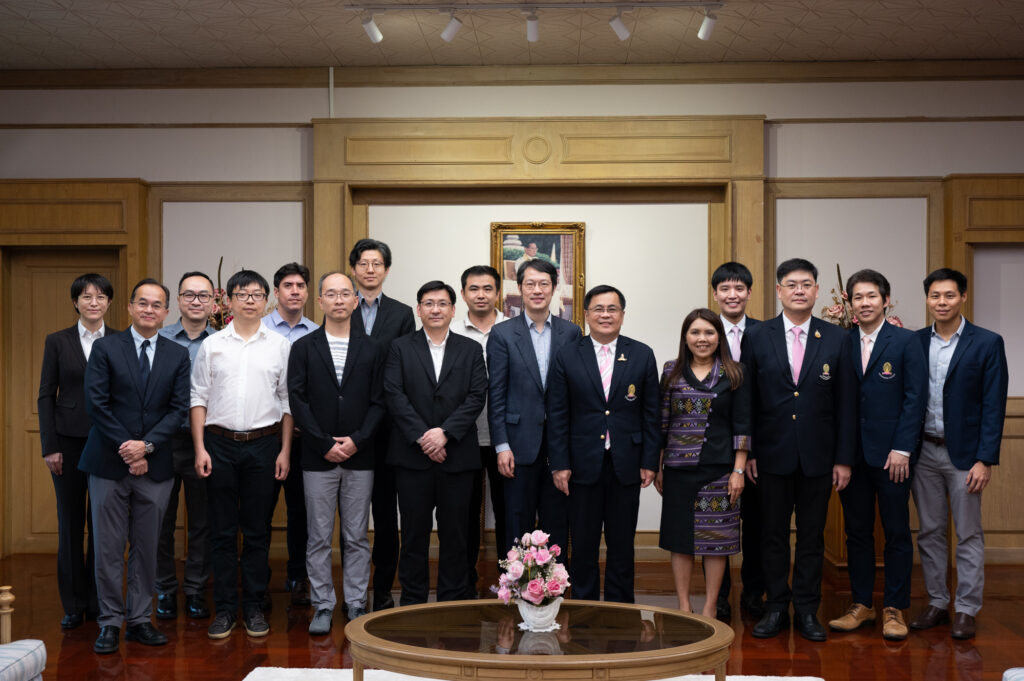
x=604 y=438
x=519 y=354
x=804 y=438
x=137 y=392
x=893 y=377
x=963 y=428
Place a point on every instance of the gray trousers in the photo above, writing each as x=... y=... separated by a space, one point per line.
x=127 y=510
x=935 y=477
x=347 y=493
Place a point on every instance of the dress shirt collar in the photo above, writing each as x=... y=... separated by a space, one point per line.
x=959 y=330
x=873 y=335
x=362 y=299
x=139 y=339
x=442 y=344
x=742 y=326
x=788 y=325
x=86 y=333
x=611 y=346
x=470 y=327
x=178 y=329
x=261 y=332
x=531 y=325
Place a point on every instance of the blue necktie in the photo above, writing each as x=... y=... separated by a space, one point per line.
x=144 y=364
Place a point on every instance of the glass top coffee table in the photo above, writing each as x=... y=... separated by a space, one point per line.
x=481 y=641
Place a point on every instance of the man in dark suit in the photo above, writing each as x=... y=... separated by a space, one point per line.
x=963 y=428
x=337 y=400
x=137 y=386
x=604 y=438
x=519 y=352
x=63 y=428
x=383 y=319
x=436 y=384
x=731 y=284
x=892 y=374
x=804 y=413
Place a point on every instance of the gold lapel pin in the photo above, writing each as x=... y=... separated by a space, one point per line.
x=817 y=334
x=622 y=357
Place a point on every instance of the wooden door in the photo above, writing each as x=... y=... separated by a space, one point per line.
x=38 y=302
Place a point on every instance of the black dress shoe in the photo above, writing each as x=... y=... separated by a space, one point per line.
x=108 y=640
x=144 y=633
x=71 y=620
x=930 y=617
x=771 y=625
x=167 y=606
x=753 y=604
x=195 y=606
x=809 y=627
x=299 y=589
x=382 y=602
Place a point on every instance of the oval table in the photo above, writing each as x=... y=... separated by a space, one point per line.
x=481 y=641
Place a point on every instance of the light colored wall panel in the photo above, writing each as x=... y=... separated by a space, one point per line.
x=998 y=282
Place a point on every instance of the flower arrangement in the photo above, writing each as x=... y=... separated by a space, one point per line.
x=532 y=572
x=840 y=312
x=221 y=315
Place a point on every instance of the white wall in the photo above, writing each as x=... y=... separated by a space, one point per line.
x=996 y=289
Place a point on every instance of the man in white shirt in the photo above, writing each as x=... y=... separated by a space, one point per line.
x=242 y=433
x=480 y=286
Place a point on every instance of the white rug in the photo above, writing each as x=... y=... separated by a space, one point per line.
x=299 y=674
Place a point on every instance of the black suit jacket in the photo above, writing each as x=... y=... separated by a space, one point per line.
x=579 y=416
x=394 y=319
x=61 y=401
x=808 y=426
x=323 y=409
x=418 y=402
x=122 y=410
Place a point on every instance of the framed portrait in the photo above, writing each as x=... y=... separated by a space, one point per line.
x=560 y=243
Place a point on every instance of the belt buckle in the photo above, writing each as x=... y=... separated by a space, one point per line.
x=238 y=436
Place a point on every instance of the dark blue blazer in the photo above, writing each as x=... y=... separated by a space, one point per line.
x=973 y=396
x=893 y=394
x=515 y=399
x=579 y=416
x=122 y=409
x=809 y=426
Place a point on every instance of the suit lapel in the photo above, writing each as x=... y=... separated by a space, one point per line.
x=778 y=340
x=324 y=351
x=961 y=348
x=420 y=347
x=131 y=358
x=811 y=345
x=855 y=352
x=355 y=346
x=451 y=355
x=524 y=344
x=883 y=339
x=619 y=368
x=588 y=358
x=383 y=310
x=160 y=363
x=76 y=346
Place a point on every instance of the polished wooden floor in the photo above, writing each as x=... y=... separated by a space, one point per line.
x=190 y=655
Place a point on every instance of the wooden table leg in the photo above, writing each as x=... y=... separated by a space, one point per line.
x=719 y=673
x=357 y=671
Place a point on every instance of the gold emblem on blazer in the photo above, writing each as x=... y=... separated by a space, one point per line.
x=825 y=373
x=622 y=357
x=817 y=334
x=631 y=393
x=887 y=371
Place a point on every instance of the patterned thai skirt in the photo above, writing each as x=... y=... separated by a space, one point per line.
x=696 y=516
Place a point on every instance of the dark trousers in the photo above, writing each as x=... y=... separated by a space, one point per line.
x=866 y=484
x=477 y=507
x=241 y=489
x=780 y=496
x=608 y=503
x=197 y=557
x=76 y=570
x=532 y=502
x=384 y=507
x=295 y=504
x=419 y=494
x=752 y=527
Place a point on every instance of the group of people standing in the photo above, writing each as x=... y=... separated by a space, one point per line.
x=364 y=414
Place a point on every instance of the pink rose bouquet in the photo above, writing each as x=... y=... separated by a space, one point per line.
x=531 y=571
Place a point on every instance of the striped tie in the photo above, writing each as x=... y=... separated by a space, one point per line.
x=605 y=365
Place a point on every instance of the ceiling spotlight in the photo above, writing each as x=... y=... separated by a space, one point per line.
x=619 y=27
x=370 y=26
x=448 y=34
x=707 y=26
x=532 y=27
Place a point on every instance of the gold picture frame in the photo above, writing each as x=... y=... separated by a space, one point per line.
x=560 y=243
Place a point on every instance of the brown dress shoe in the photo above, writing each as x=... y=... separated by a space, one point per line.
x=930 y=617
x=857 y=616
x=963 y=626
x=893 y=626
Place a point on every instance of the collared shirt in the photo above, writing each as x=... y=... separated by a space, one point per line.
x=276 y=322
x=940 y=352
x=541 y=346
x=177 y=333
x=468 y=329
x=368 y=311
x=729 y=326
x=87 y=337
x=788 y=326
x=437 y=353
x=139 y=340
x=597 y=352
x=874 y=339
x=242 y=383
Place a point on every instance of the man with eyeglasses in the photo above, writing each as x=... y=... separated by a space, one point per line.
x=519 y=352
x=384 y=319
x=435 y=383
x=242 y=434
x=805 y=414
x=195 y=302
x=337 y=399
x=136 y=387
x=604 y=437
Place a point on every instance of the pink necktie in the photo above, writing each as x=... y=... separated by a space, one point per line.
x=798 y=352
x=865 y=352
x=734 y=342
x=605 y=366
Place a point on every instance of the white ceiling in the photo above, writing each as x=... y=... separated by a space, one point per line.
x=160 y=34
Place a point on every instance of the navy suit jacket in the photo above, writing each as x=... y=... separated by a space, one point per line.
x=893 y=394
x=515 y=408
x=808 y=426
x=973 y=396
x=579 y=416
x=122 y=409
x=394 y=319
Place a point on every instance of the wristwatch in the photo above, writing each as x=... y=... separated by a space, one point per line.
x=150 y=447
x=738 y=470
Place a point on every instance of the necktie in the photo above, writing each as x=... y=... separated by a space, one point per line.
x=144 y=364
x=734 y=342
x=865 y=352
x=798 y=352
x=605 y=365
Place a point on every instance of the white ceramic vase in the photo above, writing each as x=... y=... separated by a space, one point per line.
x=539 y=617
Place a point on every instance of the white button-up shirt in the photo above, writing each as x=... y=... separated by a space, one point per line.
x=242 y=383
x=437 y=353
x=88 y=337
x=729 y=326
x=466 y=328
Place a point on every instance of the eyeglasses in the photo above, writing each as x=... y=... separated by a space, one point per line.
x=331 y=296
x=156 y=306
x=439 y=304
x=798 y=285
x=367 y=264
x=536 y=285
x=611 y=309
x=190 y=296
x=87 y=299
x=242 y=296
